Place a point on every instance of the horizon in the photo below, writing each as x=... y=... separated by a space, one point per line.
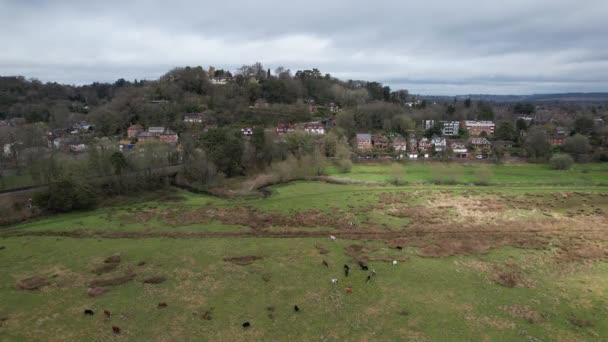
x=433 y=48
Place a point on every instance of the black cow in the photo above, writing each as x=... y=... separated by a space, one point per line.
x=363 y=266
x=89 y=312
x=296 y=308
x=246 y=325
x=115 y=329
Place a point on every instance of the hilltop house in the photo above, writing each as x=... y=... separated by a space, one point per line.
x=380 y=142
x=194 y=118
x=364 y=141
x=439 y=143
x=158 y=133
x=459 y=149
x=480 y=143
x=247 y=131
x=284 y=128
x=424 y=144
x=399 y=143
x=475 y=128
x=314 y=128
x=134 y=130
x=450 y=128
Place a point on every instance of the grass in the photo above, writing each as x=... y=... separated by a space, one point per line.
x=511 y=174
x=421 y=299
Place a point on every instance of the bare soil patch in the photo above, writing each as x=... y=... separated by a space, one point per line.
x=156 y=279
x=33 y=283
x=524 y=312
x=243 y=260
x=96 y=291
x=105 y=268
x=112 y=281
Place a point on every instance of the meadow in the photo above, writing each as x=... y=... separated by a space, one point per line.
x=495 y=263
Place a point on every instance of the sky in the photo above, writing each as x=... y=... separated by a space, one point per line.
x=431 y=47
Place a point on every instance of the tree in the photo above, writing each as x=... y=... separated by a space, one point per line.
x=523 y=108
x=578 y=146
x=119 y=162
x=521 y=125
x=583 y=125
x=505 y=131
x=224 y=148
x=485 y=111
x=467 y=103
x=561 y=162
x=536 y=145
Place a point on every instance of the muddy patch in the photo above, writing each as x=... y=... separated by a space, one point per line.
x=155 y=279
x=243 y=260
x=33 y=283
x=112 y=281
x=524 y=312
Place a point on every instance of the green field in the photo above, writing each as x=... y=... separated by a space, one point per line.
x=474 y=264
x=511 y=174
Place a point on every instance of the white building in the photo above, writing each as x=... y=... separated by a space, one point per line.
x=450 y=128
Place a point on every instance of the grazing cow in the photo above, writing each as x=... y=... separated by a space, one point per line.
x=399 y=247
x=334 y=281
x=325 y=263
x=394 y=263
x=162 y=305
x=296 y=308
x=332 y=237
x=346 y=270
x=107 y=313
x=349 y=290
x=369 y=278
x=246 y=324
x=115 y=329
x=363 y=266
x=89 y=312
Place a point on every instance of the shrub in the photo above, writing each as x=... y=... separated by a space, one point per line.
x=561 y=162
x=66 y=195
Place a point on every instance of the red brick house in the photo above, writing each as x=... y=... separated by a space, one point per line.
x=134 y=130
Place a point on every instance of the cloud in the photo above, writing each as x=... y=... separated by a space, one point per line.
x=436 y=47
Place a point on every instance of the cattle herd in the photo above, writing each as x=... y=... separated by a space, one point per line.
x=296 y=308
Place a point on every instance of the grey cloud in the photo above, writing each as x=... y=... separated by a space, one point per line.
x=433 y=46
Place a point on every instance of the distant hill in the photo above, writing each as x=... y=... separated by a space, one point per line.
x=564 y=97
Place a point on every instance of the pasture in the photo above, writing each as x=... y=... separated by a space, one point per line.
x=473 y=263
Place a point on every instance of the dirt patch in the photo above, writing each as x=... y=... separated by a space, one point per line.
x=581 y=323
x=96 y=291
x=114 y=259
x=243 y=260
x=33 y=283
x=105 y=268
x=112 y=281
x=523 y=311
x=322 y=250
x=157 y=279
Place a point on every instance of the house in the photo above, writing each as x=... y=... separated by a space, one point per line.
x=450 y=128
x=284 y=128
x=82 y=126
x=314 y=128
x=334 y=108
x=168 y=136
x=413 y=143
x=480 y=143
x=380 y=142
x=146 y=136
x=459 y=149
x=424 y=144
x=557 y=140
x=220 y=80
x=247 y=131
x=364 y=141
x=134 y=130
x=439 y=143
x=156 y=130
x=399 y=143
x=428 y=124
x=561 y=131
x=78 y=148
x=412 y=155
x=476 y=128
x=194 y=118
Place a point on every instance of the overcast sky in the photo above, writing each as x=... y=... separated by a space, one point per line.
x=431 y=47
